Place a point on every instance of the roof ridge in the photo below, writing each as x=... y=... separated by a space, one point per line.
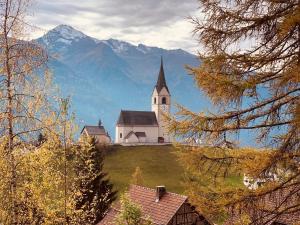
x=87 y=127
x=172 y=193
x=152 y=189
x=135 y=111
x=143 y=187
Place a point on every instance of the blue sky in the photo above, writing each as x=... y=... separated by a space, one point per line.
x=161 y=23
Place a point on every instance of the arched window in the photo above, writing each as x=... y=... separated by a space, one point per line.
x=164 y=101
x=154 y=100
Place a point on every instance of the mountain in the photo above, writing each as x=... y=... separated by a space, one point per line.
x=105 y=76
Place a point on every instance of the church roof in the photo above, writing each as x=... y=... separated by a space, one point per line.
x=139 y=118
x=94 y=130
x=161 y=81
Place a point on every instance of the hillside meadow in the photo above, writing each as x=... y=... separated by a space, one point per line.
x=159 y=165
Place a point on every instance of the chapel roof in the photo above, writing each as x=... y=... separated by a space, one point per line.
x=94 y=130
x=139 y=118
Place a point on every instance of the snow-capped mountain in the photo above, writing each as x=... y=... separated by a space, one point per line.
x=64 y=34
x=105 y=76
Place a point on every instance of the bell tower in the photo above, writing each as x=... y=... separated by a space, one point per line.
x=161 y=102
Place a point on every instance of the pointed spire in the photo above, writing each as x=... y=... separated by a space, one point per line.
x=161 y=81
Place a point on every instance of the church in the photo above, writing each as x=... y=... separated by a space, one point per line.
x=147 y=127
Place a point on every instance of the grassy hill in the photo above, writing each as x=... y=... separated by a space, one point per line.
x=158 y=163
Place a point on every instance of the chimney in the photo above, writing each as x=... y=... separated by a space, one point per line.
x=160 y=191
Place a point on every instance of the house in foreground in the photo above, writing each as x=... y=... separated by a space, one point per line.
x=161 y=207
x=279 y=207
x=97 y=132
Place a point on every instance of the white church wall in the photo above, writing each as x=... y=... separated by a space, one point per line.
x=164 y=93
x=132 y=139
x=120 y=135
x=159 y=109
x=142 y=139
x=154 y=102
x=151 y=133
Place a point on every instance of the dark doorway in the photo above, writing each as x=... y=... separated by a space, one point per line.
x=161 y=140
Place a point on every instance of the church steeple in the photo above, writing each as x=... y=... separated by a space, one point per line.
x=161 y=104
x=161 y=81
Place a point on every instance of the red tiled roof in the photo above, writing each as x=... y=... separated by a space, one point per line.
x=160 y=212
x=109 y=217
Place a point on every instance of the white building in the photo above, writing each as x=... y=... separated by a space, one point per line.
x=147 y=126
x=253 y=184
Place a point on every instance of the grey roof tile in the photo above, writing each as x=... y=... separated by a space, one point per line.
x=141 y=118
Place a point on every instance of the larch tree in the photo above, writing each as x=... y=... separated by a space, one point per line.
x=130 y=213
x=49 y=168
x=24 y=106
x=137 y=177
x=250 y=64
x=93 y=191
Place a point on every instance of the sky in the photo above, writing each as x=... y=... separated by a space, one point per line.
x=161 y=23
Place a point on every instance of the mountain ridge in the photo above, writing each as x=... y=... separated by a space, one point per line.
x=105 y=76
x=69 y=33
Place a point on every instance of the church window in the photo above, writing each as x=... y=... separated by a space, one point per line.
x=154 y=100
x=164 y=100
x=121 y=135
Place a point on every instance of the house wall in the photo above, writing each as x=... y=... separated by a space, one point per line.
x=151 y=133
x=102 y=139
x=187 y=216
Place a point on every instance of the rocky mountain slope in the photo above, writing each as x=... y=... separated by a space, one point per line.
x=105 y=76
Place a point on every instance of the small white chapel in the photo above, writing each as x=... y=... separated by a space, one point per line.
x=147 y=127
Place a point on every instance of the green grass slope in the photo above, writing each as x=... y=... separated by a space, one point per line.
x=159 y=165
